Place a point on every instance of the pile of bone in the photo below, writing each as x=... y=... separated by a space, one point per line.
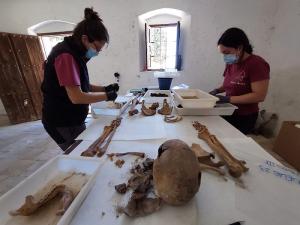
x=173 y=178
x=166 y=109
x=141 y=185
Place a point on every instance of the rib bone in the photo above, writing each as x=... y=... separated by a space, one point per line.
x=139 y=154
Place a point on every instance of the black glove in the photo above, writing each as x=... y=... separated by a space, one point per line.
x=223 y=99
x=112 y=87
x=214 y=92
x=111 y=95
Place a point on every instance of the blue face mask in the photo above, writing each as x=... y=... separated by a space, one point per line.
x=230 y=58
x=91 y=53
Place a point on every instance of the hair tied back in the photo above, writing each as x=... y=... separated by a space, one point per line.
x=90 y=14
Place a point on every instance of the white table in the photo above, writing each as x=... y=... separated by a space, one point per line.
x=217 y=203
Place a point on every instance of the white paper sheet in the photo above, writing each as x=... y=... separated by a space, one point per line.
x=214 y=204
x=80 y=148
x=269 y=198
x=272 y=192
x=245 y=147
x=140 y=127
x=95 y=128
x=122 y=99
x=215 y=124
x=103 y=197
x=216 y=201
x=266 y=200
x=105 y=112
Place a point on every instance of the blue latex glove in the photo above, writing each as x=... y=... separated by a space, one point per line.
x=223 y=99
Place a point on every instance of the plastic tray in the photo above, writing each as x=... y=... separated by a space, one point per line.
x=219 y=110
x=149 y=100
x=194 y=98
x=14 y=198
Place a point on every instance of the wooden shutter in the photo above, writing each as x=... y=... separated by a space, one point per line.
x=178 y=52
x=146 y=48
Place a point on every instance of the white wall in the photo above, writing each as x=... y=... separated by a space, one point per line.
x=209 y=18
x=284 y=93
x=51 y=26
x=163 y=19
x=269 y=24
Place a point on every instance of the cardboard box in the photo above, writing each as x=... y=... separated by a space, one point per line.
x=287 y=143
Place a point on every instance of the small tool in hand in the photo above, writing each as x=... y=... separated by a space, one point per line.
x=117 y=76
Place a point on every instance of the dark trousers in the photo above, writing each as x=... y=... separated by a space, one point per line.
x=244 y=123
x=64 y=136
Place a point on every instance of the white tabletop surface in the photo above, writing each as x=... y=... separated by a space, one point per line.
x=266 y=199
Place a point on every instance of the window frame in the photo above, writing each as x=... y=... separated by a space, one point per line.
x=49 y=34
x=147 y=42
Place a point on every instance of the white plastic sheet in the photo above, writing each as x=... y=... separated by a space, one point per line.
x=269 y=198
x=140 y=127
x=214 y=204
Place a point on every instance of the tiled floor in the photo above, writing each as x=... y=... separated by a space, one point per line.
x=268 y=144
x=4 y=121
x=23 y=149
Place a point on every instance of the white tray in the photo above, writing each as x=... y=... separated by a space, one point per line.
x=219 y=110
x=14 y=198
x=149 y=100
x=202 y=100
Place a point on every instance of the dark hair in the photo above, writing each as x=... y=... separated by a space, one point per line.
x=92 y=26
x=234 y=38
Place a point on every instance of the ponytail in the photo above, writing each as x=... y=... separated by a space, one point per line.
x=92 y=26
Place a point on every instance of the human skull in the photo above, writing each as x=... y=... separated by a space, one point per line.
x=176 y=173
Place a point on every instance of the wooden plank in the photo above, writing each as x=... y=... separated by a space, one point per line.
x=13 y=91
x=36 y=56
x=37 y=60
x=32 y=81
x=8 y=64
x=55 y=33
x=18 y=107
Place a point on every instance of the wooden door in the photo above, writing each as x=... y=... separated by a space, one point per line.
x=20 y=77
x=30 y=60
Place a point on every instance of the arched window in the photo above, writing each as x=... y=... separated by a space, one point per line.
x=51 y=32
x=161 y=44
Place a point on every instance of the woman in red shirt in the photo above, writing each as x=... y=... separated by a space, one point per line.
x=246 y=79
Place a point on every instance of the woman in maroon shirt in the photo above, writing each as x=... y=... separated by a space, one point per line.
x=67 y=91
x=246 y=79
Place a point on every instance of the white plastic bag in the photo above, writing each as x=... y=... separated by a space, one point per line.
x=181 y=86
x=166 y=74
